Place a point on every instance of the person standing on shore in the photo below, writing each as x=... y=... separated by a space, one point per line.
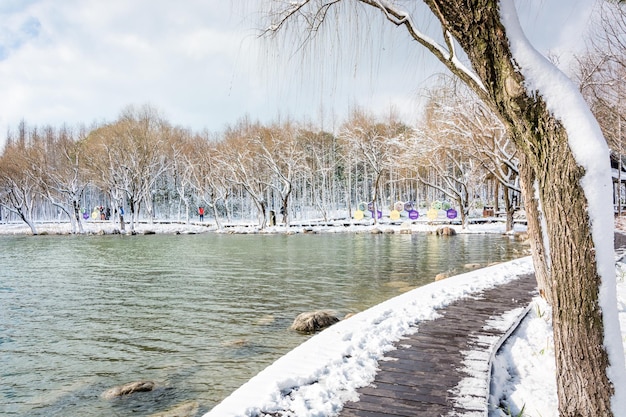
x=201 y=213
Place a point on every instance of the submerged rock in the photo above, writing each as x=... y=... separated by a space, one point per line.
x=126 y=389
x=236 y=343
x=442 y=275
x=186 y=409
x=266 y=320
x=314 y=321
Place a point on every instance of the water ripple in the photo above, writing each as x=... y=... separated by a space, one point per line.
x=197 y=314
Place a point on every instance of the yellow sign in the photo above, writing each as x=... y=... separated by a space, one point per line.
x=394 y=215
x=432 y=214
x=358 y=215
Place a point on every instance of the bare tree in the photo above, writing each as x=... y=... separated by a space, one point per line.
x=20 y=185
x=128 y=156
x=62 y=173
x=210 y=176
x=464 y=122
x=601 y=74
x=376 y=145
x=240 y=157
x=281 y=150
x=322 y=164
x=456 y=174
x=590 y=361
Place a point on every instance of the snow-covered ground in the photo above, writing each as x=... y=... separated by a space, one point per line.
x=317 y=377
x=108 y=227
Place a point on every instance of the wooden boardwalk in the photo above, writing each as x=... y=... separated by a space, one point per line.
x=422 y=377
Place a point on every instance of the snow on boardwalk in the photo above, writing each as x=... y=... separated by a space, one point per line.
x=323 y=376
x=444 y=367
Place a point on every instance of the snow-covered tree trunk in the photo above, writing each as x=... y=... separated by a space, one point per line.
x=564 y=150
x=589 y=354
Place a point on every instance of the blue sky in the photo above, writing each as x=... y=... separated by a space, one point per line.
x=201 y=63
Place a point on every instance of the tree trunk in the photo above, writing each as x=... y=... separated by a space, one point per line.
x=508 y=207
x=77 y=223
x=464 y=211
x=131 y=203
x=213 y=205
x=577 y=320
x=496 y=196
x=547 y=162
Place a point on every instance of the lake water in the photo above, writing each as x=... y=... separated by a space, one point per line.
x=197 y=314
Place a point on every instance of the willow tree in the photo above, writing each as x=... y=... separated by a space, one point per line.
x=564 y=166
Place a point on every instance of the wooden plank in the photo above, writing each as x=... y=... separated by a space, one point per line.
x=417 y=377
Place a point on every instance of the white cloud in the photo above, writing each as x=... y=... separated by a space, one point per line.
x=79 y=61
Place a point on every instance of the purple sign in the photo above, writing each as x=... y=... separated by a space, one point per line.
x=413 y=214
x=380 y=213
x=451 y=214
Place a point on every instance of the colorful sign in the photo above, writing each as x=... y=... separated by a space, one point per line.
x=432 y=214
x=413 y=214
x=451 y=213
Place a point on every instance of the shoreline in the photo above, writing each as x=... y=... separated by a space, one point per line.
x=90 y=228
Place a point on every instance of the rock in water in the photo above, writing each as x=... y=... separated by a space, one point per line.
x=445 y=231
x=441 y=276
x=187 y=409
x=313 y=321
x=126 y=389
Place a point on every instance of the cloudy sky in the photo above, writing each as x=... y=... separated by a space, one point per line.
x=201 y=64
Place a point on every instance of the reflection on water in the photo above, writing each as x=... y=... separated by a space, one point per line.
x=197 y=314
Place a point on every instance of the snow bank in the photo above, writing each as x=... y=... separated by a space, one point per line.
x=524 y=372
x=317 y=377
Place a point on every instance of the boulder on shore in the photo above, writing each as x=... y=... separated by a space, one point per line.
x=126 y=389
x=314 y=321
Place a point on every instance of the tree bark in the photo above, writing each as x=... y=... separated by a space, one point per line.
x=573 y=282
